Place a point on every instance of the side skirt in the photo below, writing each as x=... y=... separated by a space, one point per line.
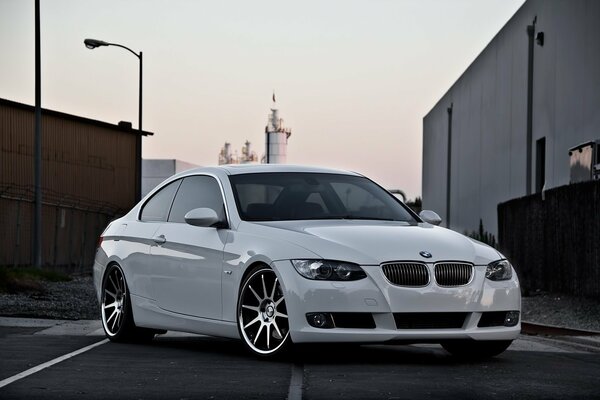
x=148 y=315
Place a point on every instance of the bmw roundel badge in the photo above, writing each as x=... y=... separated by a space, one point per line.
x=425 y=254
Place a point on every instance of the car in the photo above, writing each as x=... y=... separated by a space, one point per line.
x=277 y=255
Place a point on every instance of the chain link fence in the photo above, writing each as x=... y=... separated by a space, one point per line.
x=70 y=228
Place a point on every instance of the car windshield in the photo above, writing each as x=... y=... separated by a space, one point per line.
x=283 y=196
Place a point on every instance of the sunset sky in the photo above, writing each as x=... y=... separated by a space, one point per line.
x=353 y=79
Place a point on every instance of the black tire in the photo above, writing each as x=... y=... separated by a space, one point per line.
x=115 y=309
x=476 y=350
x=264 y=304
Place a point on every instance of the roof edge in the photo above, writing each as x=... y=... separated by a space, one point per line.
x=475 y=59
x=75 y=118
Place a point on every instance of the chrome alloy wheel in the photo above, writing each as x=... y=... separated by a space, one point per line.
x=114 y=301
x=262 y=314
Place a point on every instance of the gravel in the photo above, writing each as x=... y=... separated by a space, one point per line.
x=562 y=310
x=72 y=300
x=77 y=300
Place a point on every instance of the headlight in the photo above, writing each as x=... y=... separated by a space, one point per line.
x=328 y=270
x=499 y=271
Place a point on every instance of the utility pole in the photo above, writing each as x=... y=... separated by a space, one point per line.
x=37 y=230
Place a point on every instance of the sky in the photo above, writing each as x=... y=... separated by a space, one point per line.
x=353 y=79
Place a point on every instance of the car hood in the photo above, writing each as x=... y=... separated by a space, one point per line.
x=375 y=242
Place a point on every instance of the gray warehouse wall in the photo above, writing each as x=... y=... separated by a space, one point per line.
x=489 y=117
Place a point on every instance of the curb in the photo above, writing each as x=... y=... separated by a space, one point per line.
x=585 y=340
x=530 y=328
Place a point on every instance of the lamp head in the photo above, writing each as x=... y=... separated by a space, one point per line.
x=93 y=43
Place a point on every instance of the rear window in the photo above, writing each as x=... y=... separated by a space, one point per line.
x=157 y=208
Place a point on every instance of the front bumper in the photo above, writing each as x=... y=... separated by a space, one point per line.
x=375 y=295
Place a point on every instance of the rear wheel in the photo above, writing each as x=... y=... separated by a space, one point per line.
x=476 y=350
x=262 y=314
x=115 y=308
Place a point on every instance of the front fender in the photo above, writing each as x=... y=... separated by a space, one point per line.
x=244 y=250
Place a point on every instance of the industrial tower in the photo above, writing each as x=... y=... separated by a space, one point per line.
x=276 y=138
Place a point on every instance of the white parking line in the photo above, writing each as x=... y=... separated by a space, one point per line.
x=296 y=380
x=50 y=363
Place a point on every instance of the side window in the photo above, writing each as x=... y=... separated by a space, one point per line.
x=197 y=192
x=157 y=208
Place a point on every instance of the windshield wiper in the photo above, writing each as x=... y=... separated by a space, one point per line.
x=363 y=218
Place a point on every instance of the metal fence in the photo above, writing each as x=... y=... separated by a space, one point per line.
x=70 y=228
x=554 y=240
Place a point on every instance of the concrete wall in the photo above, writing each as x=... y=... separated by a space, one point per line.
x=489 y=121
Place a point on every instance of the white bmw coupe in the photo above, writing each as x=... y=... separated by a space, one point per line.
x=279 y=254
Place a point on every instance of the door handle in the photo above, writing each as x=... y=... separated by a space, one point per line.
x=159 y=239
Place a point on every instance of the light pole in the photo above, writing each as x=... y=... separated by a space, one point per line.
x=92 y=44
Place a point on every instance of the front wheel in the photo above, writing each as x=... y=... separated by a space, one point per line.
x=476 y=350
x=262 y=314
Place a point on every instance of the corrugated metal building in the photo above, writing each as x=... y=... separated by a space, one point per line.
x=492 y=137
x=90 y=174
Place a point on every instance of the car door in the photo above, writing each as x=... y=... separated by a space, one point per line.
x=138 y=237
x=189 y=258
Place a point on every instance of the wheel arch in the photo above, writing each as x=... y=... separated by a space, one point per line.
x=100 y=273
x=105 y=273
x=247 y=271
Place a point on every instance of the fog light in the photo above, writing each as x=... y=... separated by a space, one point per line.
x=512 y=318
x=320 y=320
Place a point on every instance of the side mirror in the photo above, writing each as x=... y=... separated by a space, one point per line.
x=205 y=217
x=430 y=217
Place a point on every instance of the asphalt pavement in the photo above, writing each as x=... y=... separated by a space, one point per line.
x=37 y=362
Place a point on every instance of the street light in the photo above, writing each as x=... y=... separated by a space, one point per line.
x=92 y=44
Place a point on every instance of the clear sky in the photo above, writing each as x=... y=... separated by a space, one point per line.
x=353 y=79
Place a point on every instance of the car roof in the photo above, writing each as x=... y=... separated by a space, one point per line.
x=237 y=169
